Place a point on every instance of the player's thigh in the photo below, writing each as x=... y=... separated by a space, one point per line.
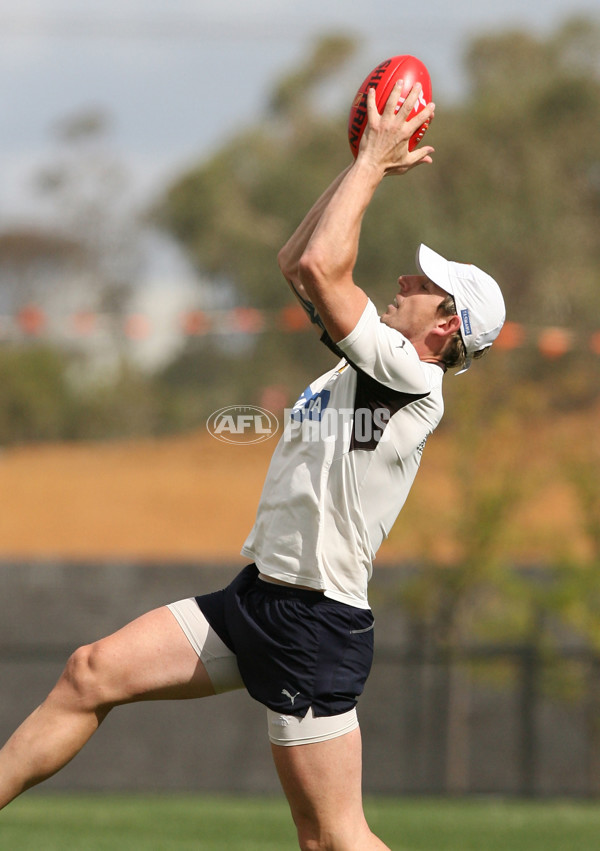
x=323 y=781
x=148 y=659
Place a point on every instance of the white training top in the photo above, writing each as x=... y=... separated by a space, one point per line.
x=347 y=459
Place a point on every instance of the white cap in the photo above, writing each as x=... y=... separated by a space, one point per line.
x=477 y=297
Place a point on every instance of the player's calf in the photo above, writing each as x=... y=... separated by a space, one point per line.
x=57 y=730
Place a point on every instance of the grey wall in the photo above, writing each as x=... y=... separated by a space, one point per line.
x=427 y=726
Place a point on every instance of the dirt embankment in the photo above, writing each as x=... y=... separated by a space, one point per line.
x=193 y=498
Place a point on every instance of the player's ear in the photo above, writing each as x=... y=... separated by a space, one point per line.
x=446 y=326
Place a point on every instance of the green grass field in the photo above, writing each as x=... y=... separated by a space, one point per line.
x=182 y=823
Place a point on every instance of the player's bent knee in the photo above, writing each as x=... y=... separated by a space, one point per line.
x=86 y=676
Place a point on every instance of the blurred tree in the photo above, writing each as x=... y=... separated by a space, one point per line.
x=233 y=213
x=34 y=397
x=40 y=402
x=88 y=193
x=40 y=268
x=81 y=259
x=517 y=172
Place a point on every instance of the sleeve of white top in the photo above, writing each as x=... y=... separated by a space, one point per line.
x=385 y=354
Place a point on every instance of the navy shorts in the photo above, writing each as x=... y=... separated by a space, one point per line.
x=295 y=648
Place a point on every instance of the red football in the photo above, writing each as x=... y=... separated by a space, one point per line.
x=383 y=78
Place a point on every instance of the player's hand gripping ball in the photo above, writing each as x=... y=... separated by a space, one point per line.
x=383 y=79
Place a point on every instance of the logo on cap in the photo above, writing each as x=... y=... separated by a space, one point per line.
x=466 y=321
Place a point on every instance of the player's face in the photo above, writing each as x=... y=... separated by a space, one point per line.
x=414 y=310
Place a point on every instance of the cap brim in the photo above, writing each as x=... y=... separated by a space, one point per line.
x=435 y=267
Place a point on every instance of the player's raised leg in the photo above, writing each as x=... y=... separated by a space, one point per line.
x=323 y=785
x=149 y=659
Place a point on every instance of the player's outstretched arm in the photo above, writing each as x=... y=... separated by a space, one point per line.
x=289 y=256
x=326 y=266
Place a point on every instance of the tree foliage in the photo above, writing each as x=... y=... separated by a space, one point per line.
x=85 y=188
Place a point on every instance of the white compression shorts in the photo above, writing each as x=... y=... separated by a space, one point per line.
x=221 y=665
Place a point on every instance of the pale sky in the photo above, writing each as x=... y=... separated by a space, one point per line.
x=180 y=78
